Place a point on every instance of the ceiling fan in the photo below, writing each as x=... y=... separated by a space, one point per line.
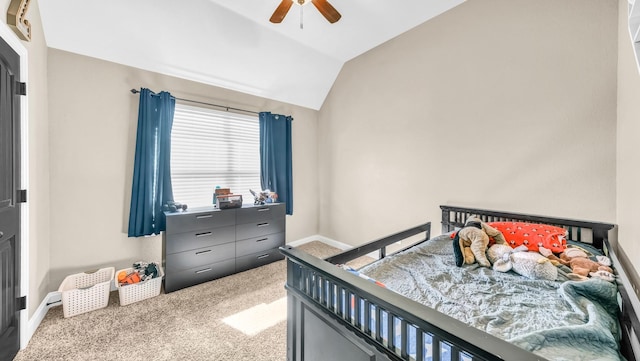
x=328 y=11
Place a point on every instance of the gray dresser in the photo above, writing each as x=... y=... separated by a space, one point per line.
x=206 y=243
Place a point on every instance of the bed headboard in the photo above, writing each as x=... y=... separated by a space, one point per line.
x=594 y=233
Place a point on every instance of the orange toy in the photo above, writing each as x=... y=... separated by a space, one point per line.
x=128 y=279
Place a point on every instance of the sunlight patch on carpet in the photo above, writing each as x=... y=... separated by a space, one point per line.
x=258 y=318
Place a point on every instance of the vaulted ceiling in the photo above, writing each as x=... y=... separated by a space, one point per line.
x=231 y=43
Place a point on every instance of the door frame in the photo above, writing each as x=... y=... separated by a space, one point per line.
x=10 y=38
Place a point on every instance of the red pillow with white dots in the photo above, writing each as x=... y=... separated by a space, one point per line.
x=533 y=235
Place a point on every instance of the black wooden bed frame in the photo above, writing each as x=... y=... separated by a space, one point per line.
x=322 y=326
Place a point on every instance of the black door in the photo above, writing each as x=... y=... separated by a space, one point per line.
x=9 y=206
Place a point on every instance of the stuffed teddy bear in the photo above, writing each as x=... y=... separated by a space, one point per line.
x=471 y=242
x=532 y=265
x=581 y=265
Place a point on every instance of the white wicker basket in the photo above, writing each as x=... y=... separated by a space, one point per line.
x=139 y=291
x=87 y=291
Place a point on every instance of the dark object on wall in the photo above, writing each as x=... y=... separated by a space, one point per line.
x=224 y=107
x=11 y=241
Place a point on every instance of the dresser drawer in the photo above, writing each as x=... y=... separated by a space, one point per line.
x=199 y=239
x=199 y=257
x=177 y=280
x=259 y=244
x=257 y=229
x=193 y=221
x=260 y=213
x=258 y=259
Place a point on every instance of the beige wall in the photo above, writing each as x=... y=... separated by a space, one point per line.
x=93 y=119
x=407 y=126
x=500 y=104
x=628 y=159
x=38 y=170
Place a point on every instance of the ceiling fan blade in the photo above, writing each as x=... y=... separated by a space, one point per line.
x=281 y=11
x=328 y=11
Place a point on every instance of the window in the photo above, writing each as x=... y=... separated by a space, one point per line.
x=212 y=148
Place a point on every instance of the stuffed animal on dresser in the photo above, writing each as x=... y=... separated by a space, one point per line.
x=470 y=243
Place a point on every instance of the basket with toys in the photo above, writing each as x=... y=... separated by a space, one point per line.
x=139 y=282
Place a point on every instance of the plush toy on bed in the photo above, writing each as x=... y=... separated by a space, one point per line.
x=471 y=242
x=532 y=265
x=533 y=235
x=582 y=266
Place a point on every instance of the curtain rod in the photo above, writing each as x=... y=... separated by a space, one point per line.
x=135 y=91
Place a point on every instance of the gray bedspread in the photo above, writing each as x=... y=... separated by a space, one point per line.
x=558 y=320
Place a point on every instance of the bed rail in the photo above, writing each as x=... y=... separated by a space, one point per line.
x=381 y=244
x=582 y=231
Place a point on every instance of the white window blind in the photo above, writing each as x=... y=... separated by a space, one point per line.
x=212 y=148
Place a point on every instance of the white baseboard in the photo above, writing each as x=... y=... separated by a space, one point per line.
x=55 y=298
x=323 y=239
x=328 y=241
x=51 y=300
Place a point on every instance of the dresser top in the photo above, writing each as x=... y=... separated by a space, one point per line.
x=195 y=210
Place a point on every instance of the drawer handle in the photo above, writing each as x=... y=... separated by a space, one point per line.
x=203 y=252
x=262 y=240
x=263 y=256
x=263 y=224
x=264 y=209
x=204 y=216
x=205 y=234
x=204 y=270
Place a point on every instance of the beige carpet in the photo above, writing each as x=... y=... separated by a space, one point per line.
x=196 y=323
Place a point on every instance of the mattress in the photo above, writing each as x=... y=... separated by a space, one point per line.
x=559 y=320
